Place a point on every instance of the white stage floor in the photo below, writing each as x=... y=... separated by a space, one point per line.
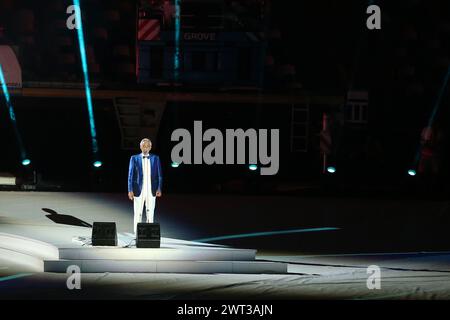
x=28 y=238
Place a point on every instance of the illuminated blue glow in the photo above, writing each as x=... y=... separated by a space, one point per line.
x=175 y=164
x=12 y=115
x=97 y=164
x=6 y=93
x=261 y=234
x=331 y=169
x=176 y=57
x=86 y=75
x=412 y=172
x=435 y=110
x=26 y=162
x=439 y=98
x=15 y=276
x=253 y=167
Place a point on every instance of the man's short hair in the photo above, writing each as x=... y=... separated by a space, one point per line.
x=145 y=139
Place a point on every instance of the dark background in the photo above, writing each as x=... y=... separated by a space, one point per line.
x=402 y=66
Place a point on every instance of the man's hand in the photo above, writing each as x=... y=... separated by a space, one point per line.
x=158 y=193
x=131 y=195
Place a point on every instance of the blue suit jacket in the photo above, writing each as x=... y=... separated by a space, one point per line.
x=135 y=174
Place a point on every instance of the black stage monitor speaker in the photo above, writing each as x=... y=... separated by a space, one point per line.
x=104 y=234
x=148 y=235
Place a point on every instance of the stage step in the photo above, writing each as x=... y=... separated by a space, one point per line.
x=184 y=253
x=165 y=266
x=7 y=179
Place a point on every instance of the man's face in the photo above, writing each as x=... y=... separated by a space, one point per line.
x=146 y=147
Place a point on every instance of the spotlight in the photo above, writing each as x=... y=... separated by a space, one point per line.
x=87 y=87
x=175 y=165
x=253 y=167
x=331 y=169
x=97 y=164
x=412 y=172
x=12 y=117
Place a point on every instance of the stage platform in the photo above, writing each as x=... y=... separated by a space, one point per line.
x=36 y=237
x=172 y=257
x=37 y=256
x=161 y=266
x=7 y=179
x=163 y=253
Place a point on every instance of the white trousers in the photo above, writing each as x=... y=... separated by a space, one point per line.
x=138 y=203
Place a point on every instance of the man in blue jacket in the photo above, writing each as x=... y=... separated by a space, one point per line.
x=144 y=182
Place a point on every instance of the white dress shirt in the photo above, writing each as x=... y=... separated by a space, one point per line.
x=146 y=170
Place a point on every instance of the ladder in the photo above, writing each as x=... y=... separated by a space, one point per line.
x=138 y=118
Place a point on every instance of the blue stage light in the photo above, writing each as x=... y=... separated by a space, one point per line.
x=26 y=162
x=266 y=233
x=6 y=93
x=175 y=165
x=84 y=65
x=253 y=167
x=412 y=172
x=434 y=112
x=12 y=115
x=331 y=169
x=15 y=276
x=97 y=164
